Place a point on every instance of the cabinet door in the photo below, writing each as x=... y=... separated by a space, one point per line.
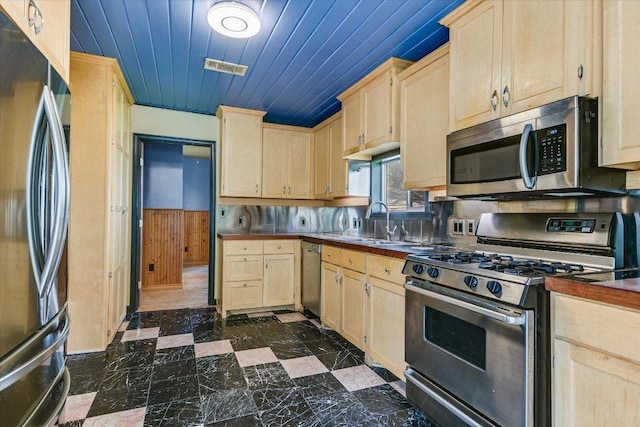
x=119 y=219
x=275 y=168
x=241 y=161
x=475 y=42
x=620 y=91
x=352 y=123
x=540 y=32
x=353 y=307
x=377 y=110
x=596 y=374
x=239 y=295
x=321 y=152
x=424 y=98
x=331 y=297
x=300 y=170
x=242 y=268
x=53 y=39
x=278 y=280
x=385 y=333
x=339 y=167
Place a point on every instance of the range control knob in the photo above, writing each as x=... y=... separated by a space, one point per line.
x=418 y=268
x=471 y=281
x=433 y=272
x=494 y=287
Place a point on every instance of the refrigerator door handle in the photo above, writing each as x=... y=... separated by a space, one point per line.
x=30 y=354
x=46 y=241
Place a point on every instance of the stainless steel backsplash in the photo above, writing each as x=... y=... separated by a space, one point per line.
x=434 y=227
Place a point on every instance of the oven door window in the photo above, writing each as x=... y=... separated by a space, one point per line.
x=456 y=336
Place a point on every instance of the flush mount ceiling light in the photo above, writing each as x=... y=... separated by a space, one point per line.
x=233 y=19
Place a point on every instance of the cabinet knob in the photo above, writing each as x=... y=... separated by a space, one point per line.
x=386 y=270
x=244 y=285
x=245 y=260
x=350 y=261
x=279 y=247
x=244 y=248
x=257 y=188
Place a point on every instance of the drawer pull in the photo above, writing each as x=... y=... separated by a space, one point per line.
x=350 y=261
x=244 y=259
x=244 y=248
x=244 y=285
x=279 y=247
x=386 y=270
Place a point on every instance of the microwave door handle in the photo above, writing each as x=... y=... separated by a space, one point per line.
x=529 y=182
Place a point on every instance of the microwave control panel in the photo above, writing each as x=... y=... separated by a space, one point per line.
x=552 y=146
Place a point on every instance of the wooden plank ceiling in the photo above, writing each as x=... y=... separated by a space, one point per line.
x=306 y=53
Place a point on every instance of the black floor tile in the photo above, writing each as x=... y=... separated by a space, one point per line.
x=81 y=384
x=149 y=319
x=305 y=331
x=384 y=374
x=117 y=348
x=77 y=423
x=247 y=342
x=134 y=359
x=295 y=413
x=246 y=421
x=382 y=400
x=174 y=354
x=319 y=385
x=290 y=350
x=126 y=378
x=187 y=412
x=86 y=364
x=267 y=375
x=123 y=399
x=339 y=409
x=174 y=369
x=339 y=360
x=173 y=389
x=323 y=346
x=226 y=405
x=220 y=372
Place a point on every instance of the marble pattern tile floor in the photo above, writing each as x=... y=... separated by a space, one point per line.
x=189 y=367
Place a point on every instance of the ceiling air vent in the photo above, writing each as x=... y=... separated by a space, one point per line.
x=225 y=67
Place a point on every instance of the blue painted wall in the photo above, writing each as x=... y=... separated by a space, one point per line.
x=162 y=176
x=196 y=176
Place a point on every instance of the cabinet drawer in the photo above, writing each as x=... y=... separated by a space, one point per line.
x=237 y=268
x=278 y=246
x=243 y=247
x=386 y=268
x=331 y=254
x=602 y=326
x=353 y=260
x=245 y=294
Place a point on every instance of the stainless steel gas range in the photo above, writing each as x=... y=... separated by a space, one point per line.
x=477 y=321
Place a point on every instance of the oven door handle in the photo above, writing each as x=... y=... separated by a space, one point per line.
x=510 y=320
x=529 y=181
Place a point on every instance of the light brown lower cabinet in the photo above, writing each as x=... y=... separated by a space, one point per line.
x=596 y=366
x=365 y=304
x=260 y=274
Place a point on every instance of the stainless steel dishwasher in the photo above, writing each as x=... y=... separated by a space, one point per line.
x=311 y=276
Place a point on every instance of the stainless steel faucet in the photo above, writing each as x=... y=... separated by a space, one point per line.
x=389 y=232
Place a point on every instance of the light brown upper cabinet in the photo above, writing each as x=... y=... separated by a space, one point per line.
x=371 y=112
x=49 y=29
x=331 y=170
x=424 y=114
x=620 y=91
x=287 y=167
x=241 y=151
x=510 y=56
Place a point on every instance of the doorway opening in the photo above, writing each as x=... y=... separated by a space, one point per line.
x=174 y=205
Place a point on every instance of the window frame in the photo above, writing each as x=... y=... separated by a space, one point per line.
x=377 y=192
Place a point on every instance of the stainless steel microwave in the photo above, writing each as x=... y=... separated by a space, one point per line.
x=548 y=151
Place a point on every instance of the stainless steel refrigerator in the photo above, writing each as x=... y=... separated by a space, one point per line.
x=34 y=205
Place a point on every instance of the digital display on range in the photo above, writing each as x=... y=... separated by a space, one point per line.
x=571 y=225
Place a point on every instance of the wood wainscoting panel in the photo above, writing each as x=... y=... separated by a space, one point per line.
x=196 y=237
x=162 y=248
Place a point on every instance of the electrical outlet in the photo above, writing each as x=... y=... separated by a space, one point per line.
x=458 y=227
x=471 y=227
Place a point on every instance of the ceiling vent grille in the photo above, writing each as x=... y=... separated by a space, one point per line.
x=225 y=67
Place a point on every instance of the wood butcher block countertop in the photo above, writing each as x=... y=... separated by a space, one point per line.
x=620 y=287
x=400 y=250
